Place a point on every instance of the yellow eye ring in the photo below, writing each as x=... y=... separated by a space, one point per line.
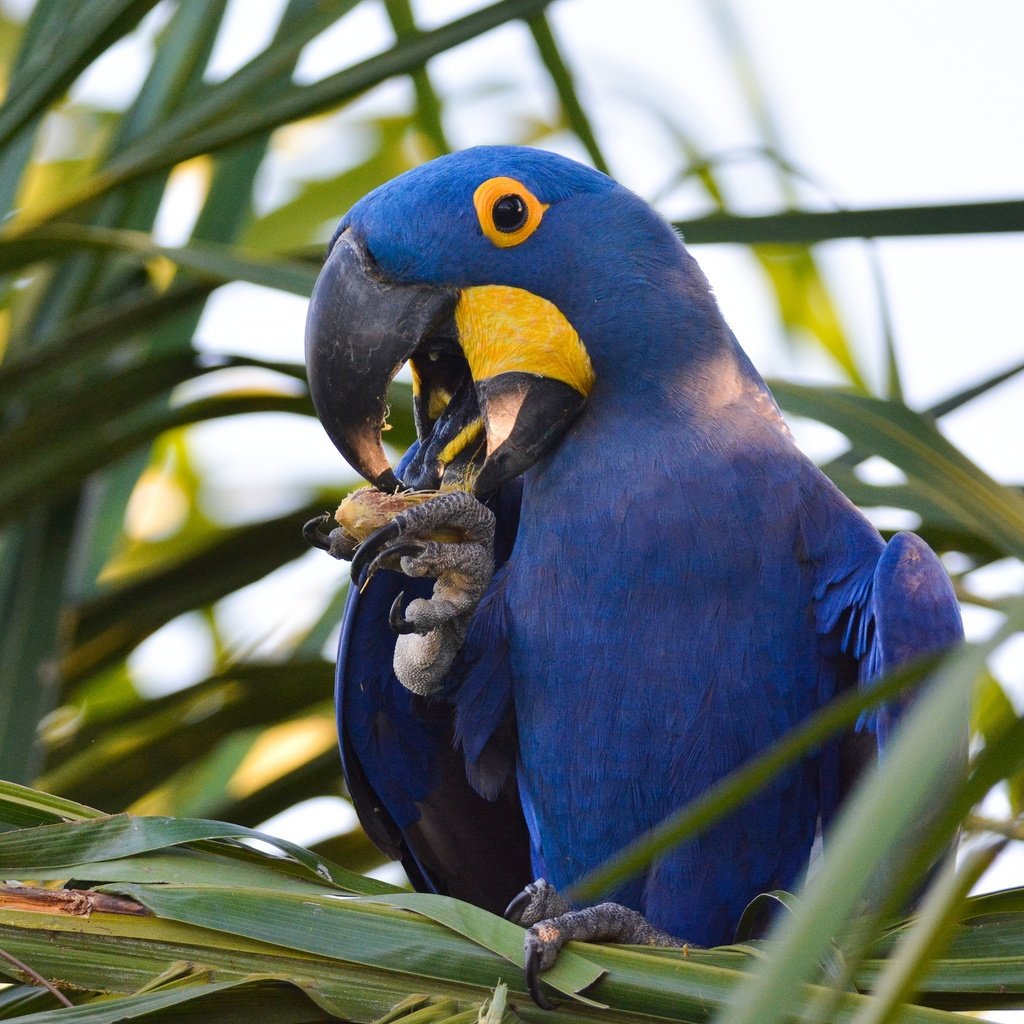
x=507 y=210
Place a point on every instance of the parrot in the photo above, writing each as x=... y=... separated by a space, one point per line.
x=621 y=579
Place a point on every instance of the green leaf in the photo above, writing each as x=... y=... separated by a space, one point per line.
x=176 y=742
x=206 y=260
x=70 y=845
x=551 y=54
x=928 y=936
x=805 y=305
x=982 y=966
x=21 y=807
x=62 y=465
x=968 y=394
x=246 y=121
x=82 y=341
x=32 y=565
x=349 y=930
x=993 y=716
x=58 y=58
x=571 y=974
x=245 y=694
x=225 y=1002
x=428 y=106
x=108 y=626
x=938 y=471
x=241 y=913
x=319 y=202
x=188 y=866
x=806 y=227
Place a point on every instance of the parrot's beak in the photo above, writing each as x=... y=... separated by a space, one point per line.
x=498 y=373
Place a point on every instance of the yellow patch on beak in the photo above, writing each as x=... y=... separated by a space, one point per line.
x=464 y=437
x=510 y=330
x=437 y=399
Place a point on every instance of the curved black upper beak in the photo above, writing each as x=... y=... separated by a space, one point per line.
x=477 y=430
x=360 y=329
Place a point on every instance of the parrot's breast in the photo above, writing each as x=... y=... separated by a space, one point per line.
x=662 y=634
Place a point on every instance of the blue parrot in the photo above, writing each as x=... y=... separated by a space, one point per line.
x=630 y=581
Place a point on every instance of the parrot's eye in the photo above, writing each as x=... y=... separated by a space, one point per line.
x=509 y=213
x=507 y=210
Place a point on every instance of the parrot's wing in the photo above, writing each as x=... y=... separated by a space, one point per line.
x=405 y=773
x=913 y=613
x=910 y=612
x=883 y=616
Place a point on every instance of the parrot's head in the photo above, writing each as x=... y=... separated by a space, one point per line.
x=510 y=280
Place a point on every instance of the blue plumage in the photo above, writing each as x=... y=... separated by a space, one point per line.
x=677 y=586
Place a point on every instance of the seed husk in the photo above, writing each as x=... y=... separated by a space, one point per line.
x=368 y=509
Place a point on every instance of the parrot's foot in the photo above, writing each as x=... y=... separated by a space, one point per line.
x=430 y=632
x=437 y=537
x=551 y=924
x=337 y=543
x=539 y=901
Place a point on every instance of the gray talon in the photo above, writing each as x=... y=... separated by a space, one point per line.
x=369 y=551
x=514 y=911
x=336 y=542
x=399 y=623
x=390 y=558
x=314 y=534
x=532 y=956
x=539 y=901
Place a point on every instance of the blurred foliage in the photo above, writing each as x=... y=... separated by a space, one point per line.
x=109 y=532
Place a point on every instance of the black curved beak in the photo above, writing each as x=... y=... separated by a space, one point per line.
x=475 y=434
x=360 y=329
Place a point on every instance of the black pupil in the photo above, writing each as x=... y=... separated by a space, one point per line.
x=509 y=213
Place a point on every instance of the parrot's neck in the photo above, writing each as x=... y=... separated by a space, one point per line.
x=649 y=322
x=704 y=381
x=666 y=427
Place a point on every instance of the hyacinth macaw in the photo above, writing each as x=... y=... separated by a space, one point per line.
x=641 y=582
